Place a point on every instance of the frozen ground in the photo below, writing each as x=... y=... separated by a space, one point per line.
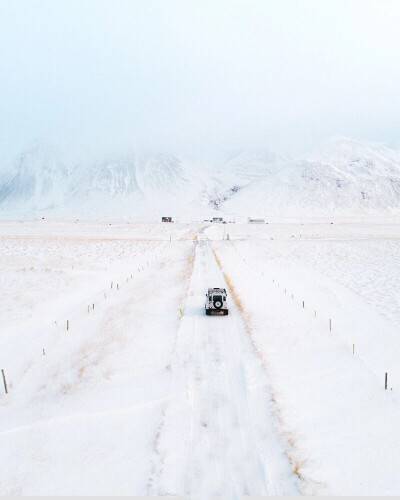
x=343 y=426
x=84 y=405
x=136 y=399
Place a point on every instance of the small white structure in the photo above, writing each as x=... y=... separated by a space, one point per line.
x=255 y=221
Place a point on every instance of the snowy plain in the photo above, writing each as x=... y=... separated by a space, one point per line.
x=311 y=293
x=137 y=399
x=85 y=403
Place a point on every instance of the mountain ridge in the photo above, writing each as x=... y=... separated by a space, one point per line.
x=340 y=176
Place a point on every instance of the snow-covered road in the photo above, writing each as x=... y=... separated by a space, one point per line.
x=219 y=434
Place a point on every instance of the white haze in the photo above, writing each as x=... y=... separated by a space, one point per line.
x=196 y=78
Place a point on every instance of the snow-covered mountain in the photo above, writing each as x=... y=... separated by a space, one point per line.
x=342 y=176
x=38 y=180
x=140 y=174
x=250 y=165
x=238 y=171
x=139 y=184
x=135 y=185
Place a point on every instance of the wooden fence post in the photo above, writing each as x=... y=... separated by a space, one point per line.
x=385 y=381
x=4 y=381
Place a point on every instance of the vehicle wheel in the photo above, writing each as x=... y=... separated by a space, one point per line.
x=217 y=304
x=208 y=312
x=226 y=313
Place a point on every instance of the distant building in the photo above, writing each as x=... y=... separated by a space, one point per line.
x=255 y=221
x=166 y=219
x=217 y=219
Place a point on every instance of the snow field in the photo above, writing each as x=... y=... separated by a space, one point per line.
x=135 y=399
x=45 y=262
x=342 y=425
x=82 y=419
x=341 y=274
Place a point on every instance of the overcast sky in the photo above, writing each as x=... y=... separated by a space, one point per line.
x=198 y=77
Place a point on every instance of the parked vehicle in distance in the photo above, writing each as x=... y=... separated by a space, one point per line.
x=255 y=221
x=166 y=219
x=216 y=300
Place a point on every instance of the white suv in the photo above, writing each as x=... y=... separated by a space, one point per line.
x=216 y=301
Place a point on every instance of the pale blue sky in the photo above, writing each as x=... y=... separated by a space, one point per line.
x=199 y=77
